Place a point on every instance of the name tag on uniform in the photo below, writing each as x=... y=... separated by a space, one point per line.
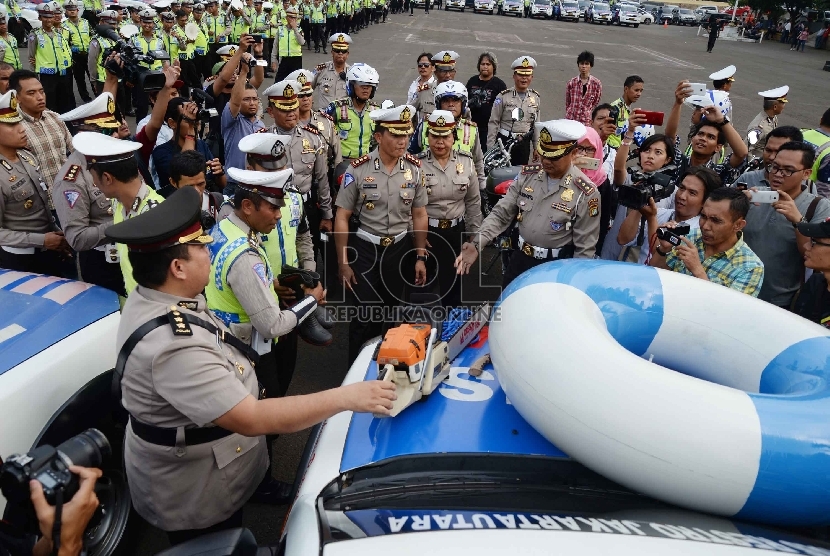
x=370 y=186
x=111 y=253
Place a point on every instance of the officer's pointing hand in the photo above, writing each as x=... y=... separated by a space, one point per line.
x=464 y=261
x=347 y=276
x=370 y=396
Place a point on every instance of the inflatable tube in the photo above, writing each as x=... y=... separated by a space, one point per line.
x=684 y=390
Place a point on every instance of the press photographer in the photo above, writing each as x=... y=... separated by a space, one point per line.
x=715 y=252
x=130 y=70
x=60 y=483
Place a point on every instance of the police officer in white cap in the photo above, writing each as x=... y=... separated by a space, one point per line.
x=522 y=102
x=454 y=203
x=774 y=102
x=83 y=210
x=445 y=70
x=321 y=121
x=111 y=163
x=382 y=194
x=555 y=204
x=51 y=58
x=329 y=81
x=29 y=238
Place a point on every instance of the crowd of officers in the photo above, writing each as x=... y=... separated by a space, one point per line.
x=228 y=262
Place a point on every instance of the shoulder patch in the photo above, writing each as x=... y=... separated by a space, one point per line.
x=260 y=270
x=358 y=161
x=178 y=322
x=321 y=67
x=424 y=87
x=71 y=197
x=586 y=187
x=72 y=173
x=310 y=129
x=412 y=159
x=531 y=169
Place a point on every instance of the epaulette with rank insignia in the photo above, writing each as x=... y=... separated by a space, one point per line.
x=262 y=130
x=322 y=113
x=373 y=104
x=584 y=186
x=210 y=79
x=464 y=153
x=471 y=123
x=321 y=67
x=531 y=169
x=358 y=161
x=423 y=87
x=313 y=130
x=504 y=91
x=178 y=322
x=412 y=159
x=533 y=91
x=422 y=154
x=72 y=173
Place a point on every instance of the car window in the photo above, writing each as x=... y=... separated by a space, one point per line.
x=601 y=7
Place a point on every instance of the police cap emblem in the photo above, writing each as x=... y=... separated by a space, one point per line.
x=288 y=92
x=405 y=114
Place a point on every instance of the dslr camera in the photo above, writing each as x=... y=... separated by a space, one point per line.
x=203 y=100
x=672 y=235
x=132 y=57
x=478 y=98
x=50 y=466
x=656 y=185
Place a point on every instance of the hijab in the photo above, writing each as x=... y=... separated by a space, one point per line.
x=597 y=176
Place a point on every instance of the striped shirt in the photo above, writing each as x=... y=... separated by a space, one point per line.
x=50 y=142
x=738 y=267
x=578 y=106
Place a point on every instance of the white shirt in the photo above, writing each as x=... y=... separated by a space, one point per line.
x=663 y=216
x=413 y=89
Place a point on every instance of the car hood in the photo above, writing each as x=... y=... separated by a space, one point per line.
x=39 y=311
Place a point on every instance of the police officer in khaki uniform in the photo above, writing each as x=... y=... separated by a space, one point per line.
x=306 y=152
x=320 y=121
x=444 y=63
x=555 y=204
x=83 y=210
x=454 y=203
x=529 y=103
x=382 y=194
x=330 y=77
x=194 y=449
x=29 y=239
x=775 y=100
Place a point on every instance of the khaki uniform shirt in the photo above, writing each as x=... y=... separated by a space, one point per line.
x=550 y=213
x=180 y=381
x=83 y=210
x=324 y=123
x=424 y=101
x=24 y=213
x=307 y=156
x=765 y=124
x=383 y=200
x=328 y=86
x=452 y=192
x=501 y=114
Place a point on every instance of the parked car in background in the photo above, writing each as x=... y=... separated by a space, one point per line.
x=455 y=5
x=570 y=10
x=627 y=15
x=668 y=14
x=684 y=16
x=650 y=7
x=707 y=10
x=723 y=18
x=602 y=13
x=488 y=6
x=541 y=8
x=740 y=12
x=584 y=8
x=646 y=18
x=512 y=7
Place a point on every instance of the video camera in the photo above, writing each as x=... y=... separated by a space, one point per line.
x=132 y=57
x=672 y=235
x=50 y=466
x=645 y=185
x=203 y=99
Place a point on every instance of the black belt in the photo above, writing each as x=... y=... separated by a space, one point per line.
x=167 y=437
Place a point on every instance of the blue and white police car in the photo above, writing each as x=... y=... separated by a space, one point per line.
x=461 y=472
x=56 y=362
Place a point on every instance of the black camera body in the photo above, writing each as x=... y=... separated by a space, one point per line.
x=478 y=98
x=655 y=185
x=672 y=235
x=132 y=57
x=205 y=103
x=50 y=466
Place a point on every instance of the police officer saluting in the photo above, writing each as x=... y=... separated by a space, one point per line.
x=194 y=449
x=528 y=101
x=29 y=239
x=83 y=210
x=382 y=193
x=555 y=204
x=775 y=100
x=329 y=81
x=454 y=203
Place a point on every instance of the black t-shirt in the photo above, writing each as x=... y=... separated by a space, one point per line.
x=481 y=95
x=219 y=102
x=813 y=302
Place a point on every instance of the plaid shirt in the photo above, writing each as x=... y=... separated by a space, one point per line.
x=50 y=142
x=718 y=163
x=578 y=106
x=738 y=267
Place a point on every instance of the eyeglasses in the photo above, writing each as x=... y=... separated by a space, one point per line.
x=813 y=243
x=774 y=168
x=586 y=150
x=424 y=65
x=307 y=95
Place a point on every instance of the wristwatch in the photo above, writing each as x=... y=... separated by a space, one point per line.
x=421 y=258
x=660 y=252
x=802 y=221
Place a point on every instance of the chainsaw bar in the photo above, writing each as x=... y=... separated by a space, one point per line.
x=468 y=332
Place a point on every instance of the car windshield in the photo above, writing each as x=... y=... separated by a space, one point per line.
x=583 y=4
x=684 y=11
x=570 y=5
x=626 y=8
x=543 y=2
x=601 y=8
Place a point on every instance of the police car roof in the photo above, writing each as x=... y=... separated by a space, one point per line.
x=39 y=311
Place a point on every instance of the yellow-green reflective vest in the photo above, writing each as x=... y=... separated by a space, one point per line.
x=317 y=14
x=281 y=244
x=287 y=44
x=151 y=200
x=465 y=137
x=201 y=44
x=355 y=130
x=818 y=140
x=52 y=55
x=77 y=34
x=171 y=45
x=229 y=242
x=217 y=24
x=238 y=28
x=9 y=45
x=146 y=45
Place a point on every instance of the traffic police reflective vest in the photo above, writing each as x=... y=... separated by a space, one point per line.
x=94 y=6
x=105 y=44
x=146 y=45
x=217 y=24
x=317 y=14
x=229 y=242
x=821 y=141
x=51 y=56
x=9 y=46
x=201 y=44
x=331 y=9
x=259 y=23
x=287 y=44
x=171 y=45
x=465 y=136
x=77 y=35
x=189 y=50
x=355 y=131
x=239 y=27
x=151 y=200
x=281 y=244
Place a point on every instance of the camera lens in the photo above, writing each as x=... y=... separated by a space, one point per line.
x=88 y=449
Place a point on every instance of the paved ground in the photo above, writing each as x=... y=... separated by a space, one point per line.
x=662 y=56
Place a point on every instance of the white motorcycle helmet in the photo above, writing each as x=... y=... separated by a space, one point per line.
x=451 y=89
x=713 y=98
x=362 y=73
x=642 y=132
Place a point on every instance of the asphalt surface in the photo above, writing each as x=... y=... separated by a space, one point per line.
x=661 y=56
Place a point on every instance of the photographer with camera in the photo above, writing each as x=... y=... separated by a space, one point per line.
x=655 y=165
x=716 y=251
x=183 y=118
x=692 y=191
